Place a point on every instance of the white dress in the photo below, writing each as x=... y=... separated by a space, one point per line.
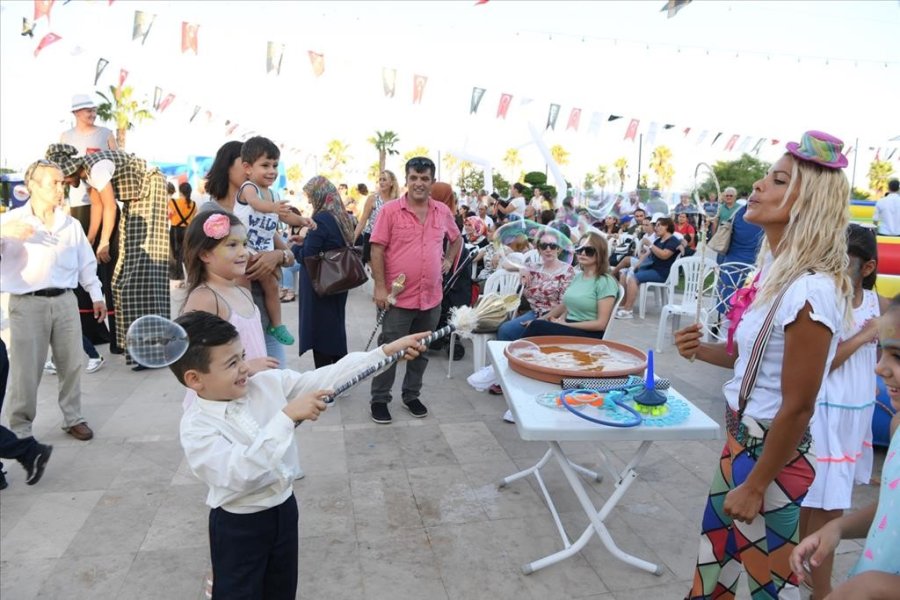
x=842 y=426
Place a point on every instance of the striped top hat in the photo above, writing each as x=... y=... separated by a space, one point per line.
x=820 y=148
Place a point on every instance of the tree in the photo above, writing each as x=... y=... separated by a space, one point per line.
x=660 y=164
x=512 y=161
x=334 y=159
x=417 y=151
x=740 y=174
x=294 y=174
x=601 y=176
x=122 y=109
x=384 y=142
x=560 y=155
x=879 y=173
x=374 y=171
x=589 y=181
x=858 y=194
x=621 y=167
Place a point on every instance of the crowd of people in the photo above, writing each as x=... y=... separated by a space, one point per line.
x=796 y=444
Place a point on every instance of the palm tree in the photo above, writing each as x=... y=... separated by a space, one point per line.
x=601 y=176
x=560 y=155
x=122 y=109
x=417 y=151
x=660 y=165
x=512 y=161
x=384 y=142
x=879 y=172
x=621 y=167
x=334 y=158
x=294 y=175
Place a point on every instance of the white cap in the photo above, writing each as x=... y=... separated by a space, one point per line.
x=80 y=101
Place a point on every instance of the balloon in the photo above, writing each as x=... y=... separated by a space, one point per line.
x=522 y=235
x=600 y=205
x=156 y=342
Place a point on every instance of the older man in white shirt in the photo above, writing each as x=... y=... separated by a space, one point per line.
x=45 y=254
x=887 y=211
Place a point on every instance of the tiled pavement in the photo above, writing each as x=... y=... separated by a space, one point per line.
x=408 y=510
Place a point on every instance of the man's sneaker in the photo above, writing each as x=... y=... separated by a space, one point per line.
x=380 y=413
x=49 y=367
x=94 y=364
x=624 y=314
x=34 y=468
x=416 y=408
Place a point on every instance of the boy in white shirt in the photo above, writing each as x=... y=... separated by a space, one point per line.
x=238 y=438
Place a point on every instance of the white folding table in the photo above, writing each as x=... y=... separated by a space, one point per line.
x=539 y=423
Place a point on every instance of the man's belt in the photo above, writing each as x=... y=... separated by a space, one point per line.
x=48 y=292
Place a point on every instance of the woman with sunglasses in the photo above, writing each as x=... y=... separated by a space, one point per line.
x=587 y=303
x=663 y=252
x=545 y=283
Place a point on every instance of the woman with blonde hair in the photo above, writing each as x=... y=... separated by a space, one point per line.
x=388 y=189
x=784 y=342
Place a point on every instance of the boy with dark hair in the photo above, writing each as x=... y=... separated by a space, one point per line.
x=238 y=438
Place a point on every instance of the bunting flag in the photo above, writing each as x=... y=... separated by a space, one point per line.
x=775 y=142
x=503 y=106
x=552 y=115
x=98 y=70
x=419 y=82
x=574 y=119
x=46 y=41
x=42 y=8
x=123 y=75
x=891 y=155
x=701 y=137
x=230 y=127
x=166 y=102
x=686 y=131
x=668 y=126
x=389 y=81
x=849 y=150
x=157 y=97
x=673 y=6
x=758 y=146
x=317 y=60
x=477 y=95
x=27 y=27
x=632 y=129
x=614 y=117
x=195 y=113
x=189 y=36
x=716 y=139
x=142 y=23
x=525 y=101
x=594 y=125
x=729 y=146
x=745 y=144
x=274 y=55
x=651 y=133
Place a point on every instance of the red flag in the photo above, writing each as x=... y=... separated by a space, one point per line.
x=477 y=2
x=632 y=129
x=189 y=36
x=317 y=60
x=503 y=107
x=775 y=142
x=687 y=130
x=230 y=130
x=46 y=41
x=42 y=8
x=166 y=102
x=419 y=82
x=574 y=119
x=123 y=75
x=731 y=142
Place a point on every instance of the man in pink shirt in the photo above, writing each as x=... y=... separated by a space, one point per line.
x=408 y=238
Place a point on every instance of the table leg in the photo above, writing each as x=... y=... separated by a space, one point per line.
x=625 y=479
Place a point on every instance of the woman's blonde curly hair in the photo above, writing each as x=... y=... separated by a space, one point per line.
x=815 y=237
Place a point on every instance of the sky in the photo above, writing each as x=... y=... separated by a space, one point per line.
x=754 y=69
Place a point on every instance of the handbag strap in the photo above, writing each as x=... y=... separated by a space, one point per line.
x=759 y=348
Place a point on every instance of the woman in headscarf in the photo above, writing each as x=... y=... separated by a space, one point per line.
x=322 y=318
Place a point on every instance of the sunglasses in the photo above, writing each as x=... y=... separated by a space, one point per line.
x=548 y=246
x=586 y=250
x=419 y=164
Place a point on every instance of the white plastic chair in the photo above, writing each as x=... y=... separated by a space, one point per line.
x=700 y=284
x=612 y=315
x=500 y=282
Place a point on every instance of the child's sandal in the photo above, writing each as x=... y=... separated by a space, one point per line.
x=281 y=335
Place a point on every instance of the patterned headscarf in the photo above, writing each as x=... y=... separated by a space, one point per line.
x=477 y=225
x=65 y=156
x=324 y=197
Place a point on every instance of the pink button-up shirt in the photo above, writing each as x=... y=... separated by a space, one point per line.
x=415 y=249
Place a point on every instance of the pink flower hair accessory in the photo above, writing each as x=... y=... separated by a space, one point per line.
x=217 y=226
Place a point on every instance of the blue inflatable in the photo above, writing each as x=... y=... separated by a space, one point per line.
x=881 y=419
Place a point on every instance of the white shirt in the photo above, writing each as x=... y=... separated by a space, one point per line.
x=55 y=257
x=519 y=204
x=101 y=174
x=245 y=449
x=765 y=400
x=887 y=214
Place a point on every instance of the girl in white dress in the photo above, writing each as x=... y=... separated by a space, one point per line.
x=842 y=425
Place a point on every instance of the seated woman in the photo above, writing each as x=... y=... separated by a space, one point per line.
x=588 y=301
x=475 y=237
x=610 y=225
x=686 y=229
x=662 y=255
x=544 y=286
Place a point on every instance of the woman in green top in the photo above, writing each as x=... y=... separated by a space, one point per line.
x=588 y=301
x=727 y=208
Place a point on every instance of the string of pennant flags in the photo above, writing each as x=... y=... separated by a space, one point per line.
x=143 y=23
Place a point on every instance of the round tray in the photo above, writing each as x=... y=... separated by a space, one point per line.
x=552 y=375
